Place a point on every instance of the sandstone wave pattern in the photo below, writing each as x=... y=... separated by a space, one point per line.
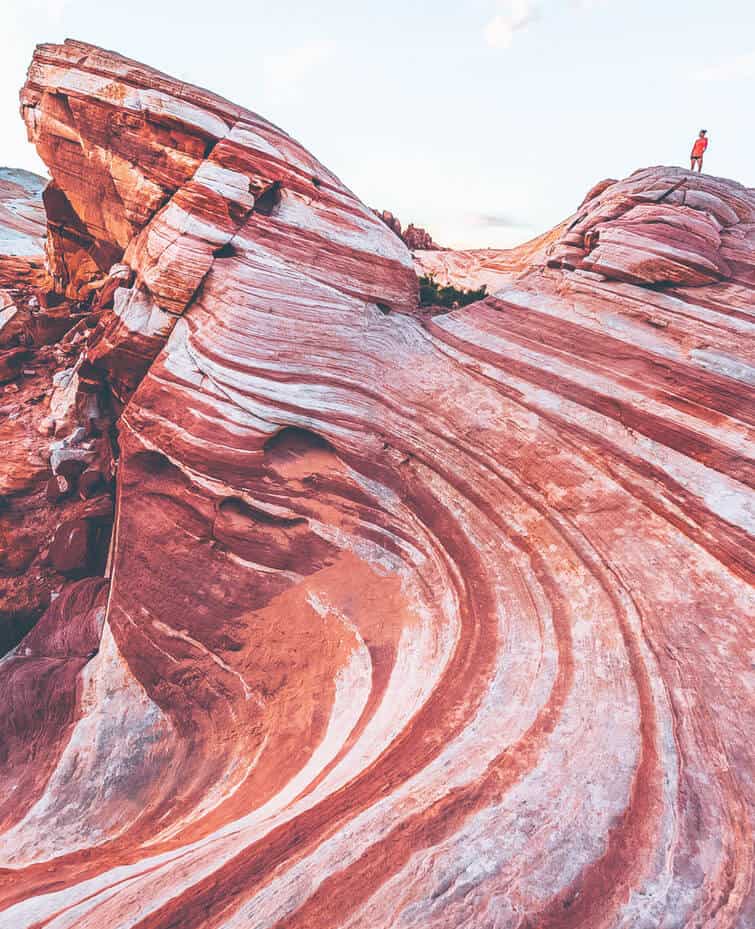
x=409 y=618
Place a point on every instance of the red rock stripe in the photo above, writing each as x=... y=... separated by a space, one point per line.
x=675 y=435
x=731 y=545
x=341 y=894
x=664 y=379
x=462 y=688
x=435 y=725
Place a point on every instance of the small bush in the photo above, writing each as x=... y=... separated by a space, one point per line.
x=431 y=293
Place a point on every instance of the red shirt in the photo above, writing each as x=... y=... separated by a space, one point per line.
x=699 y=147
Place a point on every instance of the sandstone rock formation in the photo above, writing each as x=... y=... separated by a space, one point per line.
x=414 y=237
x=411 y=622
x=22 y=232
x=54 y=421
x=469 y=269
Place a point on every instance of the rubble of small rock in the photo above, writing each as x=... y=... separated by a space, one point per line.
x=56 y=446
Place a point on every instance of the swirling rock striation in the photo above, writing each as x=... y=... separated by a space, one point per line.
x=411 y=622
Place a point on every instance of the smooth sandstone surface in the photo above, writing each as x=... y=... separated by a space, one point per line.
x=412 y=621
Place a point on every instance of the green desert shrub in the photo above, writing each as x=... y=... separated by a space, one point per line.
x=431 y=293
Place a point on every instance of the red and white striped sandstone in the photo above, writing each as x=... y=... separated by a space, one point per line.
x=412 y=622
x=22 y=232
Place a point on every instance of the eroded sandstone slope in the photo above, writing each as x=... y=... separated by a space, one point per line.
x=412 y=622
x=56 y=503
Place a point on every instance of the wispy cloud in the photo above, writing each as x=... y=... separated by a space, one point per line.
x=500 y=221
x=514 y=15
x=285 y=70
x=738 y=67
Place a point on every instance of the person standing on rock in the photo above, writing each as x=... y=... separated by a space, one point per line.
x=698 y=150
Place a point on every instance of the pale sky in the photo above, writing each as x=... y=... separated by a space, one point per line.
x=485 y=121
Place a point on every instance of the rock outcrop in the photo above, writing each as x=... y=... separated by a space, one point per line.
x=411 y=622
x=660 y=228
x=414 y=237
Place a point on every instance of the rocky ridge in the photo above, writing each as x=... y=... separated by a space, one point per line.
x=409 y=620
x=414 y=237
x=469 y=269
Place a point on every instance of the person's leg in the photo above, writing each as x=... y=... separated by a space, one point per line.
x=692 y=164
x=700 y=165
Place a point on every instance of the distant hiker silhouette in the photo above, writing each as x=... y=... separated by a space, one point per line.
x=698 y=150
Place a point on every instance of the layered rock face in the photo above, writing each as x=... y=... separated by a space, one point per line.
x=411 y=621
x=662 y=227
